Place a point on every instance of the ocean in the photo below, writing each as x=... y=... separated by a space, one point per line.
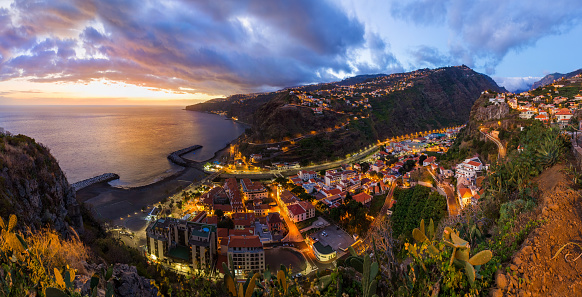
x=132 y=141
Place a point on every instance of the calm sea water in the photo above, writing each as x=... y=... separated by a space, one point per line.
x=132 y=141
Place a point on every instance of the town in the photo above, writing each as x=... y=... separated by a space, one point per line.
x=291 y=219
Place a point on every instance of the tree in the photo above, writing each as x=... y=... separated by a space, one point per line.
x=219 y=213
x=422 y=158
x=298 y=190
x=228 y=223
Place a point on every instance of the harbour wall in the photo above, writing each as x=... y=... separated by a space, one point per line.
x=176 y=157
x=97 y=179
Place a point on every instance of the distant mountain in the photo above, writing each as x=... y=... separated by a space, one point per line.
x=550 y=78
x=357 y=111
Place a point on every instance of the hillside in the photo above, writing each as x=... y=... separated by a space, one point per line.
x=550 y=78
x=33 y=186
x=338 y=118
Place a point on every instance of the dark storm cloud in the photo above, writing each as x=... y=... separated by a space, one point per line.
x=217 y=47
x=483 y=32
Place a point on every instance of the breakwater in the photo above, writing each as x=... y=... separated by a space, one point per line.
x=97 y=179
x=176 y=157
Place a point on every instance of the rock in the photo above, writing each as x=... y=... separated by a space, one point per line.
x=545 y=212
x=129 y=283
x=554 y=207
x=126 y=282
x=496 y=293
x=501 y=281
x=517 y=261
x=513 y=267
x=527 y=250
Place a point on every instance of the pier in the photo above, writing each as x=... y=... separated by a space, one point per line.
x=176 y=157
x=97 y=179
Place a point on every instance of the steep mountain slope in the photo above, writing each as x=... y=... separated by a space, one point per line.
x=33 y=186
x=356 y=112
x=550 y=78
x=442 y=98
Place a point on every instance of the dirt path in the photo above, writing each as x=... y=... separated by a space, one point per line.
x=532 y=272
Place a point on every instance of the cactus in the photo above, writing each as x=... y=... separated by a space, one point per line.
x=461 y=252
x=355 y=261
x=10 y=241
x=65 y=286
x=324 y=282
x=423 y=237
x=369 y=283
x=248 y=288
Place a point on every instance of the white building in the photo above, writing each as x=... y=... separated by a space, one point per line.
x=469 y=168
x=528 y=114
x=306 y=175
x=301 y=211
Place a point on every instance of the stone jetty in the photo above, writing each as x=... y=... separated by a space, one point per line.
x=97 y=179
x=176 y=157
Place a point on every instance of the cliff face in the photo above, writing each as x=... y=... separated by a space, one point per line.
x=485 y=112
x=33 y=186
x=442 y=98
x=278 y=120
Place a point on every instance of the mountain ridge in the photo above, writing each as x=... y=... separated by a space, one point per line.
x=355 y=115
x=550 y=78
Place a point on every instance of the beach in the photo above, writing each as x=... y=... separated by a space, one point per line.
x=119 y=205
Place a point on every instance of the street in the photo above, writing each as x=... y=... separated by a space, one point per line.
x=452 y=203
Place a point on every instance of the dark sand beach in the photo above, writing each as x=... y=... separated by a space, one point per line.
x=110 y=204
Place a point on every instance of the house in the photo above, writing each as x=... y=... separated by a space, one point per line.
x=378 y=166
x=543 y=118
x=246 y=254
x=261 y=209
x=332 y=178
x=301 y=211
x=428 y=161
x=469 y=168
x=528 y=114
x=252 y=190
x=287 y=198
x=563 y=116
x=465 y=195
x=363 y=198
x=306 y=175
x=275 y=222
x=243 y=220
x=234 y=194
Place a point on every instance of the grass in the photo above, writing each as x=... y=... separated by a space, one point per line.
x=306 y=223
x=376 y=204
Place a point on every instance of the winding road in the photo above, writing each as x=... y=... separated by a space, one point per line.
x=502 y=150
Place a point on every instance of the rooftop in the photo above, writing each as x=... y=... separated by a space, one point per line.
x=325 y=250
x=244 y=241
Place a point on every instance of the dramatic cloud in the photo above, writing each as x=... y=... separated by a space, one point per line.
x=483 y=32
x=213 y=47
x=427 y=56
x=516 y=84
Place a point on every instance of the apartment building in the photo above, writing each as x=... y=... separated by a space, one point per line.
x=246 y=254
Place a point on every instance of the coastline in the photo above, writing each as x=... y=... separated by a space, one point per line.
x=114 y=204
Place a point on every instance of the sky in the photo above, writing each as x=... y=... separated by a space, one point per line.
x=180 y=52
